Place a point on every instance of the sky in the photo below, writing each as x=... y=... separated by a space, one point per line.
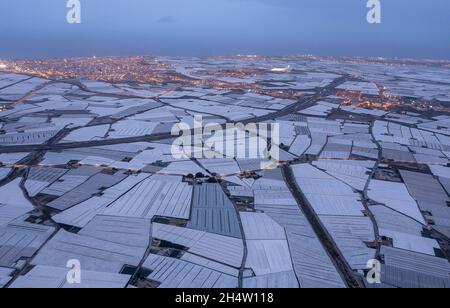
x=409 y=28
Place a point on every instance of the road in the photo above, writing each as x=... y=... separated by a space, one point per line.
x=348 y=275
x=301 y=104
x=365 y=193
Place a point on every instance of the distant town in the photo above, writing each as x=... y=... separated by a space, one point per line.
x=359 y=196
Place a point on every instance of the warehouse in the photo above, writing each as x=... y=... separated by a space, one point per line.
x=4 y=172
x=312 y=266
x=396 y=197
x=213 y=212
x=223 y=249
x=70 y=180
x=39 y=178
x=120 y=230
x=94 y=254
x=411 y=261
x=35 y=137
x=88 y=133
x=281 y=280
x=94 y=185
x=154 y=197
x=21 y=240
x=174 y=273
x=47 y=277
x=5 y=276
x=80 y=215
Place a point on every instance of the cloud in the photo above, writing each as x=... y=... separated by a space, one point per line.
x=167 y=20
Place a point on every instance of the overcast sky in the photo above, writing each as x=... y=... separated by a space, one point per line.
x=410 y=28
